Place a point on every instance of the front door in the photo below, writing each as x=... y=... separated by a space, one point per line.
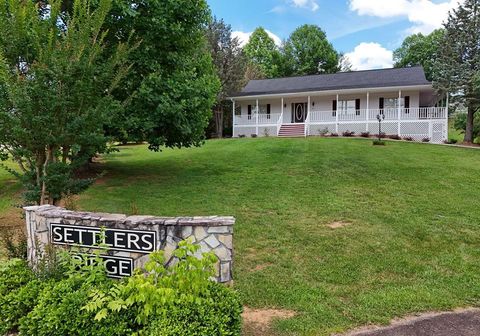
x=299 y=112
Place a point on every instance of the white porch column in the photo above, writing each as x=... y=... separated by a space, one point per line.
x=307 y=116
x=336 y=117
x=280 y=122
x=233 y=118
x=256 y=119
x=399 y=110
x=446 y=115
x=368 y=109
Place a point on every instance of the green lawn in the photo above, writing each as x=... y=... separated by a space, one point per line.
x=413 y=243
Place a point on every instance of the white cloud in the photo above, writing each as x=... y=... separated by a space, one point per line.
x=243 y=37
x=310 y=4
x=425 y=15
x=370 y=55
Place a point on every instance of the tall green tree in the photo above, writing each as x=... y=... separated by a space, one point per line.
x=56 y=85
x=419 y=49
x=308 y=52
x=458 y=61
x=173 y=84
x=230 y=64
x=262 y=52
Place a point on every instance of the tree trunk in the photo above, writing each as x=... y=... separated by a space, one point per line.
x=469 y=129
x=219 y=122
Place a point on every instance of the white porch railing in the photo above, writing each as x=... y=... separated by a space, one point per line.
x=389 y=113
x=263 y=119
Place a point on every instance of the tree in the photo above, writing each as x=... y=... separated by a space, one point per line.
x=172 y=85
x=56 y=84
x=262 y=52
x=458 y=59
x=308 y=52
x=230 y=63
x=419 y=49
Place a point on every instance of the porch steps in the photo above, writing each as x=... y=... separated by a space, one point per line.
x=292 y=130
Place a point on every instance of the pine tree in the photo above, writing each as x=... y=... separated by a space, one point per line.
x=458 y=62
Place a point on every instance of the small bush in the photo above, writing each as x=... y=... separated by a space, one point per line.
x=14 y=274
x=450 y=141
x=365 y=134
x=253 y=135
x=59 y=312
x=426 y=140
x=241 y=135
x=334 y=134
x=378 y=143
x=395 y=137
x=15 y=243
x=217 y=315
x=381 y=135
x=19 y=303
x=266 y=132
x=323 y=131
x=408 y=138
x=348 y=134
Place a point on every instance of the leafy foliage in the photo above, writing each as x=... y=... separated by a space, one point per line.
x=172 y=84
x=262 y=53
x=56 y=81
x=160 y=289
x=419 y=49
x=460 y=124
x=458 y=62
x=230 y=64
x=308 y=52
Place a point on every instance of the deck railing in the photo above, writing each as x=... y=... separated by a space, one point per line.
x=263 y=119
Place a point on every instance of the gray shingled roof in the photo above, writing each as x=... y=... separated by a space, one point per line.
x=343 y=80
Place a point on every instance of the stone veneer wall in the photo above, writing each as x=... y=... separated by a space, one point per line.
x=212 y=233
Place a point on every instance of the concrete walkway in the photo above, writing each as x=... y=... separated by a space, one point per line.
x=457 y=323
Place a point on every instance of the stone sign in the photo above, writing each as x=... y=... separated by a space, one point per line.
x=129 y=239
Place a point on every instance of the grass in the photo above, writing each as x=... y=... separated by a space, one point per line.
x=412 y=243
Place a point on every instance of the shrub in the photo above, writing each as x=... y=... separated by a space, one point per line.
x=365 y=134
x=334 y=134
x=408 y=138
x=348 y=133
x=426 y=140
x=15 y=243
x=395 y=137
x=378 y=143
x=450 y=141
x=266 y=132
x=381 y=135
x=171 y=295
x=217 y=315
x=253 y=135
x=19 y=303
x=460 y=123
x=323 y=131
x=14 y=274
x=241 y=135
x=59 y=312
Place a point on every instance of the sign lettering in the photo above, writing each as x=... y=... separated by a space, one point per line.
x=114 y=239
x=116 y=267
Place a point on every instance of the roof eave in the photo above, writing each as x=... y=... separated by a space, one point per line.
x=240 y=96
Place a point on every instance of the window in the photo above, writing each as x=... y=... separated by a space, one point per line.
x=392 y=103
x=265 y=109
x=347 y=107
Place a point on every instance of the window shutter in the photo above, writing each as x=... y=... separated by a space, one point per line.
x=268 y=111
x=334 y=108
x=407 y=102
x=357 y=107
x=381 y=103
x=249 y=116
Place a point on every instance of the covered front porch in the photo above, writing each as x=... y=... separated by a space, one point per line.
x=408 y=113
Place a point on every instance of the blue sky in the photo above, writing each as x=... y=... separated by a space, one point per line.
x=366 y=30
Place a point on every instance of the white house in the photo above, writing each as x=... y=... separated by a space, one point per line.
x=348 y=101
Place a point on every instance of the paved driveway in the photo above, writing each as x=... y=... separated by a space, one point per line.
x=460 y=323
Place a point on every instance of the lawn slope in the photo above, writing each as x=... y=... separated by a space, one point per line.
x=411 y=241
